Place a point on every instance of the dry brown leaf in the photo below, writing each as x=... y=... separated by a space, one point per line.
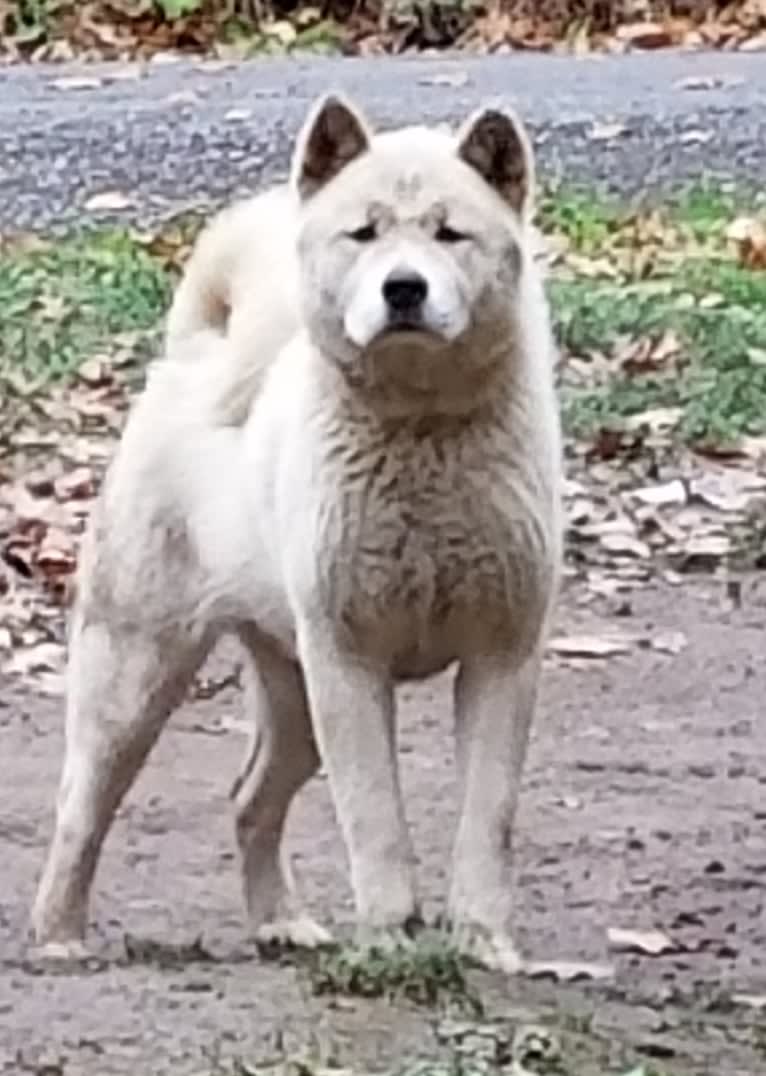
x=661 y=495
x=645 y=35
x=749 y=236
x=649 y=354
x=80 y=484
x=757 y=43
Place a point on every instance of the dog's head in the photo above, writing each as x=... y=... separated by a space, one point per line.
x=412 y=240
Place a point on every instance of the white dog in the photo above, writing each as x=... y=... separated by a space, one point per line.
x=380 y=500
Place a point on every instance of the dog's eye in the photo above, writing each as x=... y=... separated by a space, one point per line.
x=365 y=234
x=445 y=234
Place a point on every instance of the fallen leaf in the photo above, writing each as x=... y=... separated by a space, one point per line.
x=45 y=657
x=705 y=551
x=606 y=132
x=537 y=1046
x=590 y=646
x=656 y=419
x=665 y=493
x=749 y=236
x=650 y=942
x=696 y=137
x=94 y=372
x=751 y=1001
x=567 y=971
x=238 y=114
x=445 y=78
x=754 y=44
x=183 y=97
x=757 y=356
x=727 y=489
x=707 y=82
x=282 y=30
x=625 y=545
x=79 y=484
x=645 y=35
x=76 y=82
x=108 y=201
x=669 y=642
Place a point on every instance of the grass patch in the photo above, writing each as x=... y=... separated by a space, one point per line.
x=658 y=313
x=490 y=1048
x=427 y=971
x=65 y=300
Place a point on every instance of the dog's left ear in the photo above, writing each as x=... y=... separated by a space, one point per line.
x=495 y=143
x=334 y=134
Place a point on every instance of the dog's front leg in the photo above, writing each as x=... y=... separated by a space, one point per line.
x=494 y=702
x=352 y=707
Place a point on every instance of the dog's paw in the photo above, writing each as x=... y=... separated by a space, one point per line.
x=299 y=932
x=74 y=950
x=494 y=950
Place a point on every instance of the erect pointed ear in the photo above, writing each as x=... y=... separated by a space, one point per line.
x=334 y=134
x=494 y=142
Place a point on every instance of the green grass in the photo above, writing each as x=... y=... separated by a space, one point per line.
x=495 y=1049
x=64 y=301
x=719 y=382
x=631 y=276
x=427 y=971
x=690 y=286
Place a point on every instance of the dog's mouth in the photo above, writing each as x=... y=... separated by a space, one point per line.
x=404 y=323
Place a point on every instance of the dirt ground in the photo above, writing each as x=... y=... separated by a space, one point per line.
x=644 y=806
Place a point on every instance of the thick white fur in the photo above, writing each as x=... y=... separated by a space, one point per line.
x=373 y=507
x=241 y=282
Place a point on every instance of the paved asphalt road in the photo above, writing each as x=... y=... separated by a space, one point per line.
x=170 y=136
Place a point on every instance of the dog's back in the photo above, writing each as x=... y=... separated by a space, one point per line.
x=240 y=282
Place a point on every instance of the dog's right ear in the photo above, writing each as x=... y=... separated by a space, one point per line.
x=334 y=134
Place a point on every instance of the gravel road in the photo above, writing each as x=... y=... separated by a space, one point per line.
x=168 y=136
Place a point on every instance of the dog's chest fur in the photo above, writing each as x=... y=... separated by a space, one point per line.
x=430 y=537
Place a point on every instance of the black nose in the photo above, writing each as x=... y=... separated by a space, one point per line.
x=404 y=291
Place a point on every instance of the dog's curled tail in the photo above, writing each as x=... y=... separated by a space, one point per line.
x=204 y=297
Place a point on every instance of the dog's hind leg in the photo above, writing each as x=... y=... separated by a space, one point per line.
x=283 y=758
x=494 y=702
x=123 y=684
